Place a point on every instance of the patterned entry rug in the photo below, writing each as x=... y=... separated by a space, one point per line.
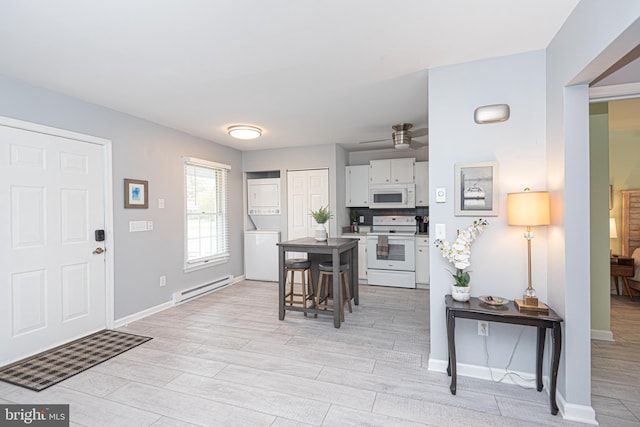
x=52 y=366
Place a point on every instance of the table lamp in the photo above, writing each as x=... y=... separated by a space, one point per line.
x=528 y=209
x=613 y=232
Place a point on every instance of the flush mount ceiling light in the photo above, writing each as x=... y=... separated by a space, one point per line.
x=244 y=132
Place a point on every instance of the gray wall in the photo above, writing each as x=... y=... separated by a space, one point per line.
x=594 y=37
x=284 y=159
x=499 y=255
x=141 y=150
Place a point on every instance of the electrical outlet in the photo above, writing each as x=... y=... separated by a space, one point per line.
x=483 y=328
x=163 y=280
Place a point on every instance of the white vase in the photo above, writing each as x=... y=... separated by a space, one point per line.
x=461 y=293
x=321 y=233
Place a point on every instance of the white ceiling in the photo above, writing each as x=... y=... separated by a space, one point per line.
x=306 y=71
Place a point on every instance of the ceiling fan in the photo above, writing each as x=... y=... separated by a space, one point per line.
x=402 y=137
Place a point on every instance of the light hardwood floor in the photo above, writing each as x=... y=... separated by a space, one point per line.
x=615 y=367
x=225 y=359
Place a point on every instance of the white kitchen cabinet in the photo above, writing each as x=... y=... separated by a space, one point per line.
x=362 y=258
x=422 y=183
x=357 y=186
x=422 y=260
x=392 y=171
x=362 y=254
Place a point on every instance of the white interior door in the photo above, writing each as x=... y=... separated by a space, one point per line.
x=306 y=190
x=52 y=284
x=317 y=195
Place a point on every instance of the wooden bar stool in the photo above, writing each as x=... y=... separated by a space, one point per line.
x=326 y=271
x=300 y=265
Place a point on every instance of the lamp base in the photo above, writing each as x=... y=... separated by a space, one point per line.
x=530 y=299
x=534 y=308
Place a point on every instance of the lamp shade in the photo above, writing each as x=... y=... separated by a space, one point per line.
x=529 y=208
x=613 y=232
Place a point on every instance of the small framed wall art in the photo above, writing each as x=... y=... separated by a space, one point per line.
x=476 y=189
x=136 y=194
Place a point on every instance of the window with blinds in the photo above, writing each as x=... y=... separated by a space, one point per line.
x=206 y=220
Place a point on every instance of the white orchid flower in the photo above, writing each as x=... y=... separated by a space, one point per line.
x=459 y=253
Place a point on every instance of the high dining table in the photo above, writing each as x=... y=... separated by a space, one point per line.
x=338 y=250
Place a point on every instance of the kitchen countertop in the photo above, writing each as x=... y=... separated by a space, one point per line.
x=361 y=234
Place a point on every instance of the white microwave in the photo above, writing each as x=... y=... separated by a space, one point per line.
x=394 y=196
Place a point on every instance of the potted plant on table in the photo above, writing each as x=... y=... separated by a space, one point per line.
x=459 y=254
x=321 y=216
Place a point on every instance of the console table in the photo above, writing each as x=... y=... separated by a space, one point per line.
x=508 y=313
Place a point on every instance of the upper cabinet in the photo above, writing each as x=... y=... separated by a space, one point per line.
x=422 y=183
x=357 y=186
x=392 y=171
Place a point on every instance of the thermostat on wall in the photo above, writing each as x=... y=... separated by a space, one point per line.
x=441 y=195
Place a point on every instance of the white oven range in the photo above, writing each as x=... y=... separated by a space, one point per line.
x=391 y=251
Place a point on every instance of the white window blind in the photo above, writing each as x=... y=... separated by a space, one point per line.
x=206 y=220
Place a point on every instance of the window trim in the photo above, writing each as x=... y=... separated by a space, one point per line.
x=203 y=262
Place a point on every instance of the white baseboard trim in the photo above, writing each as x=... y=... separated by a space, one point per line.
x=158 y=308
x=142 y=314
x=572 y=412
x=568 y=411
x=483 y=373
x=602 y=335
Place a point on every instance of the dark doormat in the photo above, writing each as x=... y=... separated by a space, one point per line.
x=52 y=366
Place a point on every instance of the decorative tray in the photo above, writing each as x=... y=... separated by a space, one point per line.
x=491 y=300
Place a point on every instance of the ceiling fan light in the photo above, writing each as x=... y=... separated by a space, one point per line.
x=244 y=132
x=401 y=140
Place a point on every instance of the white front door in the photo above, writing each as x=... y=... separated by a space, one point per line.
x=52 y=283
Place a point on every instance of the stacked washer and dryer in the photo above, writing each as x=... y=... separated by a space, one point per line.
x=260 y=244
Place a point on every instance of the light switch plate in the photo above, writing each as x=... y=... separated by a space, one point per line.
x=441 y=231
x=160 y=203
x=441 y=195
x=149 y=225
x=135 y=226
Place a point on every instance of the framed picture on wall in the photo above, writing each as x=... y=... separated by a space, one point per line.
x=476 y=189
x=136 y=194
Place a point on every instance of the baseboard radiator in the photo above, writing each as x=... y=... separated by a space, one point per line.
x=200 y=290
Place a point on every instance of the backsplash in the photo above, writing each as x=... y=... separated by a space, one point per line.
x=370 y=213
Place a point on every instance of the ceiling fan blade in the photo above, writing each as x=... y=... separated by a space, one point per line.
x=419 y=132
x=374 y=140
x=415 y=145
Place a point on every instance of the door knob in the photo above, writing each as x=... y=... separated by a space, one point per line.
x=98 y=251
